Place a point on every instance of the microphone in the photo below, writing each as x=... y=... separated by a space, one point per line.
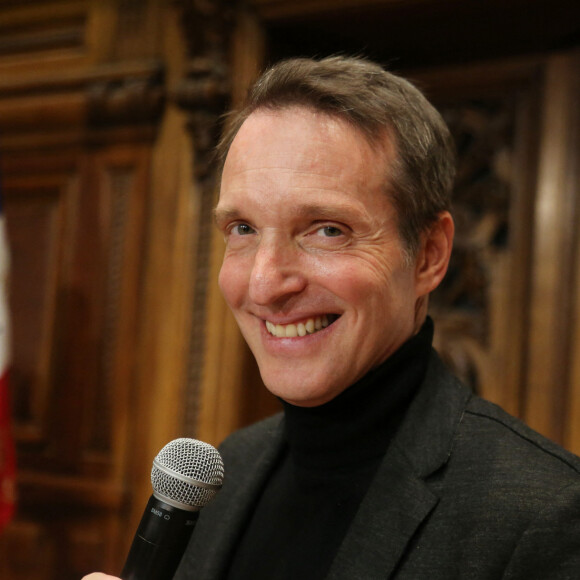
x=186 y=475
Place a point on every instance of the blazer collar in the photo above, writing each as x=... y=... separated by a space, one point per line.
x=427 y=432
x=399 y=499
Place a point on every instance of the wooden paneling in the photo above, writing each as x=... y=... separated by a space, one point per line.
x=552 y=350
x=75 y=229
x=51 y=31
x=73 y=238
x=81 y=97
x=34 y=208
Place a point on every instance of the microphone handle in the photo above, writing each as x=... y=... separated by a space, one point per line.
x=159 y=542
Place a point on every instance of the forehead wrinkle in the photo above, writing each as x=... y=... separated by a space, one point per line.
x=242 y=171
x=300 y=180
x=323 y=211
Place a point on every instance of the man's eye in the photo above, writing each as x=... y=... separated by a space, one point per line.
x=242 y=229
x=330 y=231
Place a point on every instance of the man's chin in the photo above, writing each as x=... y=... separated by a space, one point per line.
x=301 y=393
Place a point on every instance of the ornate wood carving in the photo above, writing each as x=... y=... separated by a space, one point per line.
x=465 y=302
x=81 y=97
x=130 y=100
x=205 y=91
x=204 y=94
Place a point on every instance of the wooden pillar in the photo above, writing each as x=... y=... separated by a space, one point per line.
x=551 y=399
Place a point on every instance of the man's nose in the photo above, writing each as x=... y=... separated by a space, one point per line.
x=276 y=273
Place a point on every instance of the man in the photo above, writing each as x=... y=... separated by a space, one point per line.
x=334 y=204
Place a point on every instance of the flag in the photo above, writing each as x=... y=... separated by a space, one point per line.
x=7 y=452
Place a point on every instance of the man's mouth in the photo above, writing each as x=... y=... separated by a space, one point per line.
x=303 y=328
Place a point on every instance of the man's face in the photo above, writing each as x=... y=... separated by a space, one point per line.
x=314 y=270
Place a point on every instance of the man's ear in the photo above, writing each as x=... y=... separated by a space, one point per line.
x=434 y=254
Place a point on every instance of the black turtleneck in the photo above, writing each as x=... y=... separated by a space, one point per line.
x=332 y=452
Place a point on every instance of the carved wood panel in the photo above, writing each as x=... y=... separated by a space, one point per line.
x=203 y=94
x=75 y=225
x=480 y=321
x=82 y=93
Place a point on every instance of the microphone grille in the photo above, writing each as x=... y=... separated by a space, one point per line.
x=187 y=473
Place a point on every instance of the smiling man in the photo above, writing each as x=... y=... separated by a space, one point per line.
x=334 y=204
x=315 y=270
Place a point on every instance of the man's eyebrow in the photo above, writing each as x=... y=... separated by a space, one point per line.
x=330 y=212
x=221 y=214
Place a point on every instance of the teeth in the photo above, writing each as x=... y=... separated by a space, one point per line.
x=310 y=326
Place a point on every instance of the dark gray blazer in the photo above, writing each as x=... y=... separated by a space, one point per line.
x=465 y=491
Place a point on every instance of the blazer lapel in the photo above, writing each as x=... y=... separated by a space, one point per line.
x=395 y=505
x=399 y=498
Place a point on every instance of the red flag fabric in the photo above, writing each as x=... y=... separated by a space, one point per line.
x=7 y=453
